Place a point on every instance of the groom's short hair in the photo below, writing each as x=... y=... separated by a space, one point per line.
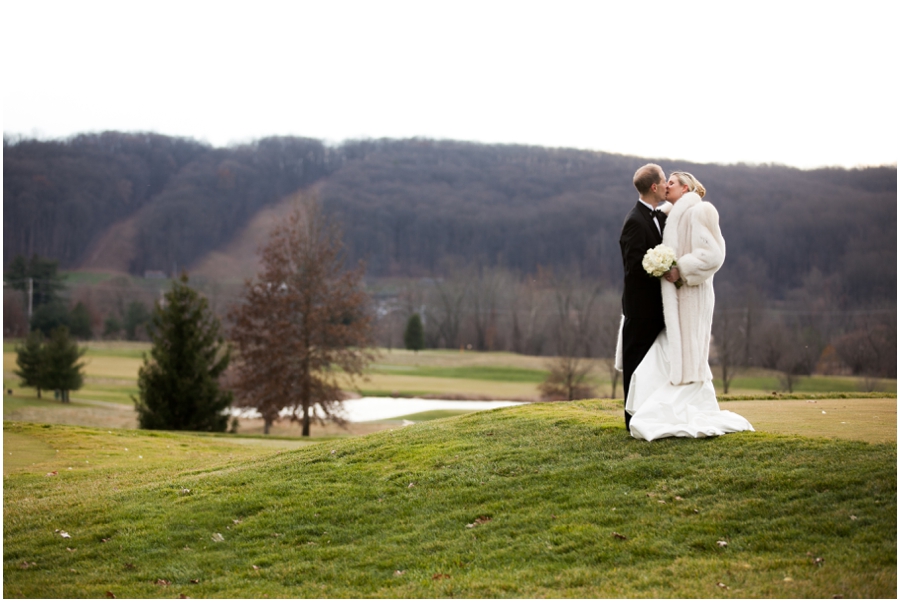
x=647 y=176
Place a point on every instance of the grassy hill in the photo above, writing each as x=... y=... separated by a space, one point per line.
x=543 y=500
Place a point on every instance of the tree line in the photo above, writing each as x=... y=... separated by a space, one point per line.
x=565 y=315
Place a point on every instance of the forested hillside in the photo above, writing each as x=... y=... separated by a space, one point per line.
x=187 y=198
x=422 y=207
x=410 y=206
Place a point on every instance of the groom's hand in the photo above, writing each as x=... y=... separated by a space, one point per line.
x=672 y=275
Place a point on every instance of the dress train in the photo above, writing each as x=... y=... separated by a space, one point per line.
x=660 y=409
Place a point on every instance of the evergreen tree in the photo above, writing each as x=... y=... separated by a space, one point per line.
x=61 y=369
x=136 y=315
x=45 y=281
x=29 y=358
x=49 y=317
x=80 y=322
x=111 y=327
x=414 y=335
x=179 y=387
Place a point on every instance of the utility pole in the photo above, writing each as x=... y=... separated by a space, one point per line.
x=30 y=296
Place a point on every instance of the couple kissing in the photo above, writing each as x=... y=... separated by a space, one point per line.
x=664 y=337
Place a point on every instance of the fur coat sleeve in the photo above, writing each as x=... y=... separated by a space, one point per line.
x=692 y=230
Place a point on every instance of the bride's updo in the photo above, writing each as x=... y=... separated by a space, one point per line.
x=691 y=182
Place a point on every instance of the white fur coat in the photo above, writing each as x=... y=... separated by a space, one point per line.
x=692 y=230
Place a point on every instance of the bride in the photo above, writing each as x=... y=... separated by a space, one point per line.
x=671 y=392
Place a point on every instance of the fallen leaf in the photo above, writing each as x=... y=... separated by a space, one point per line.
x=661 y=501
x=411 y=485
x=276 y=534
x=398 y=572
x=823 y=411
x=128 y=566
x=218 y=537
x=104 y=540
x=722 y=544
x=618 y=535
x=679 y=498
x=110 y=595
x=852 y=517
x=236 y=521
x=195 y=581
x=25 y=564
x=163 y=582
x=52 y=474
x=255 y=568
x=722 y=585
x=788 y=580
x=333 y=452
x=696 y=511
x=65 y=535
x=183 y=597
x=811 y=401
x=185 y=492
x=440 y=576
x=819 y=561
x=71 y=549
x=480 y=521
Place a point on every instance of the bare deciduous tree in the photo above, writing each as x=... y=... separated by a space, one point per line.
x=576 y=304
x=567 y=379
x=728 y=332
x=303 y=325
x=448 y=307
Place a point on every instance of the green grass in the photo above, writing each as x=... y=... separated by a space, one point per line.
x=803 y=384
x=488 y=373
x=432 y=415
x=556 y=481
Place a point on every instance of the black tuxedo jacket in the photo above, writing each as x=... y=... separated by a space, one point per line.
x=642 y=297
x=642 y=303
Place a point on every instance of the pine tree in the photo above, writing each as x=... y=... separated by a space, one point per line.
x=80 y=321
x=61 y=369
x=29 y=358
x=46 y=283
x=179 y=387
x=414 y=335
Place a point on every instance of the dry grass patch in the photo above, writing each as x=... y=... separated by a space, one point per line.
x=871 y=420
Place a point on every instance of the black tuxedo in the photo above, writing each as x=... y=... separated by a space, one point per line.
x=642 y=298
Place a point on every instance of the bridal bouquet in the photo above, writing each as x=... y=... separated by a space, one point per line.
x=659 y=260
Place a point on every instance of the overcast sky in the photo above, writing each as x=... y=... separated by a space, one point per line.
x=799 y=83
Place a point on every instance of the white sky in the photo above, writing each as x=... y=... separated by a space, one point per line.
x=799 y=83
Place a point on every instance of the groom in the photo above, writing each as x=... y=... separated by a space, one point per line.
x=642 y=305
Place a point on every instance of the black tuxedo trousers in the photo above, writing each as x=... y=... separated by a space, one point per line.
x=642 y=296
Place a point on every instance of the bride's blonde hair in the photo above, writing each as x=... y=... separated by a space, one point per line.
x=691 y=182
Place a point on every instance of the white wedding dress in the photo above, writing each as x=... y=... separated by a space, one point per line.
x=660 y=409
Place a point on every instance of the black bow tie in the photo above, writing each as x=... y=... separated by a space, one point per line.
x=656 y=213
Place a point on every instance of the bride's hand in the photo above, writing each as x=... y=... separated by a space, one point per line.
x=672 y=275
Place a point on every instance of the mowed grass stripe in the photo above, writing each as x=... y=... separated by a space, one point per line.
x=545 y=487
x=487 y=373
